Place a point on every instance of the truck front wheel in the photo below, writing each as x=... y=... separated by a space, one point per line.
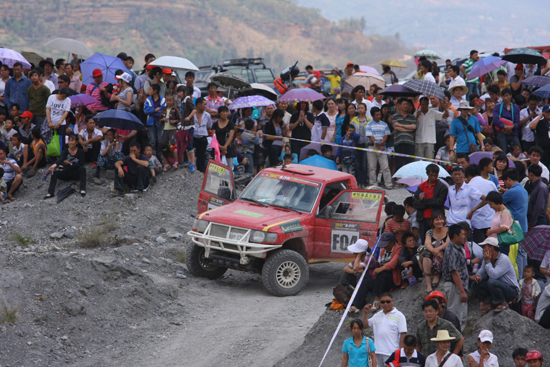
x=199 y=265
x=285 y=273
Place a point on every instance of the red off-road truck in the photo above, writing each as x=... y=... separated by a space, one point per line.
x=285 y=219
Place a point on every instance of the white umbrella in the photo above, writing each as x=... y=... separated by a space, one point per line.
x=174 y=62
x=366 y=80
x=70 y=45
x=10 y=57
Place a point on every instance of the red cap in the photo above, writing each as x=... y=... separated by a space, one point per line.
x=149 y=67
x=349 y=64
x=533 y=354
x=436 y=294
x=167 y=71
x=26 y=114
x=96 y=73
x=520 y=67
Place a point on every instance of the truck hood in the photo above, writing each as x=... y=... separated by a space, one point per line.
x=250 y=215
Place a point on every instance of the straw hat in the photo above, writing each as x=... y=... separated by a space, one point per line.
x=442 y=336
x=464 y=88
x=464 y=106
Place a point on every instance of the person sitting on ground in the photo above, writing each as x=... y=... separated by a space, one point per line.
x=72 y=161
x=530 y=290
x=437 y=239
x=26 y=127
x=90 y=141
x=518 y=355
x=443 y=356
x=495 y=284
x=110 y=152
x=409 y=261
x=3 y=188
x=397 y=224
x=490 y=146
x=12 y=174
x=137 y=174
x=18 y=148
x=389 y=328
x=9 y=131
x=407 y=356
x=482 y=357
x=358 y=348
x=34 y=154
x=387 y=276
x=155 y=167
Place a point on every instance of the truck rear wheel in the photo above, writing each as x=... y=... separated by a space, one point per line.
x=285 y=273
x=199 y=265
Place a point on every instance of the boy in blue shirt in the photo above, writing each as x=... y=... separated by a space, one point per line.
x=346 y=156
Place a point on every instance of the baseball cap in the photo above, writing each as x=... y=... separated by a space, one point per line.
x=124 y=76
x=546 y=108
x=359 y=246
x=26 y=114
x=167 y=71
x=492 y=241
x=349 y=64
x=385 y=239
x=123 y=56
x=485 y=336
x=97 y=72
x=519 y=66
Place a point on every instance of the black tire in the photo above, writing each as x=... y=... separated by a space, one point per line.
x=285 y=273
x=199 y=266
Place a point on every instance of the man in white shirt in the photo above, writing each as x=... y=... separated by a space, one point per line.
x=360 y=98
x=525 y=117
x=456 y=79
x=378 y=98
x=189 y=79
x=483 y=217
x=461 y=198
x=389 y=327
x=425 y=138
x=443 y=341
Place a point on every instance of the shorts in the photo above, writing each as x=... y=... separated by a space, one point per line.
x=168 y=136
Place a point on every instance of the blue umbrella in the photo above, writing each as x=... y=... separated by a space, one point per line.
x=321 y=162
x=537 y=81
x=107 y=64
x=418 y=170
x=543 y=92
x=119 y=119
x=486 y=65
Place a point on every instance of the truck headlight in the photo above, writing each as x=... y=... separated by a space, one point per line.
x=257 y=236
x=271 y=237
x=200 y=225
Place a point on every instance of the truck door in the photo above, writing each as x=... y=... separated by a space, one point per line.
x=217 y=187
x=353 y=214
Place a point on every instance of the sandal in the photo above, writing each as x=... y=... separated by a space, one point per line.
x=185 y=164
x=11 y=198
x=82 y=193
x=501 y=308
x=353 y=309
x=167 y=167
x=48 y=196
x=192 y=168
x=31 y=173
x=483 y=307
x=175 y=165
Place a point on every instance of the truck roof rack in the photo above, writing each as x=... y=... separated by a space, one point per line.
x=244 y=62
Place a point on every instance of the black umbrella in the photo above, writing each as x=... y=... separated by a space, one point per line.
x=524 y=56
x=120 y=119
x=64 y=193
x=397 y=90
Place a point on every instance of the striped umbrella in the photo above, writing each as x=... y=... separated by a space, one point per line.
x=425 y=87
x=429 y=54
x=537 y=81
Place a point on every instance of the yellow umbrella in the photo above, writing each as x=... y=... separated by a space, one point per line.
x=393 y=63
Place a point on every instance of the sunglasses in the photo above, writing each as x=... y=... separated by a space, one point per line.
x=384 y=302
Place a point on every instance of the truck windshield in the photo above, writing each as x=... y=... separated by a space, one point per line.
x=283 y=191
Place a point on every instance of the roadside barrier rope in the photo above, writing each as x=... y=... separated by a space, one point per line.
x=350 y=302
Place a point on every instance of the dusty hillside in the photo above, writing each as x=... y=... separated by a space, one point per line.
x=204 y=32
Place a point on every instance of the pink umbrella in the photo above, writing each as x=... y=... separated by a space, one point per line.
x=368 y=69
x=301 y=95
x=80 y=100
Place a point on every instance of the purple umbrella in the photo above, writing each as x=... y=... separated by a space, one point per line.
x=250 y=101
x=543 y=92
x=485 y=66
x=9 y=57
x=397 y=90
x=107 y=64
x=537 y=81
x=81 y=100
x=301 y=95
x=304 y=150
x=477 y=156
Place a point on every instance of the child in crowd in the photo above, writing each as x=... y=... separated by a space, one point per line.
x=18 y=148
x=110 y=152
x=530 y=289
x=286 y=150
x=90 y=140
x=155 y=167
x=398 y=224
x=326 y=151
x=34 y=154
x=490 y=146
x=169 y=117
x=486 y=166
x=409 y=261
x=169 y=151
x=346 y=156
x=311 y=153
x=3 y=187
x=288 y=159
x=411 y=217
x=388 y=209
x=9 y=131
x=249 y=139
